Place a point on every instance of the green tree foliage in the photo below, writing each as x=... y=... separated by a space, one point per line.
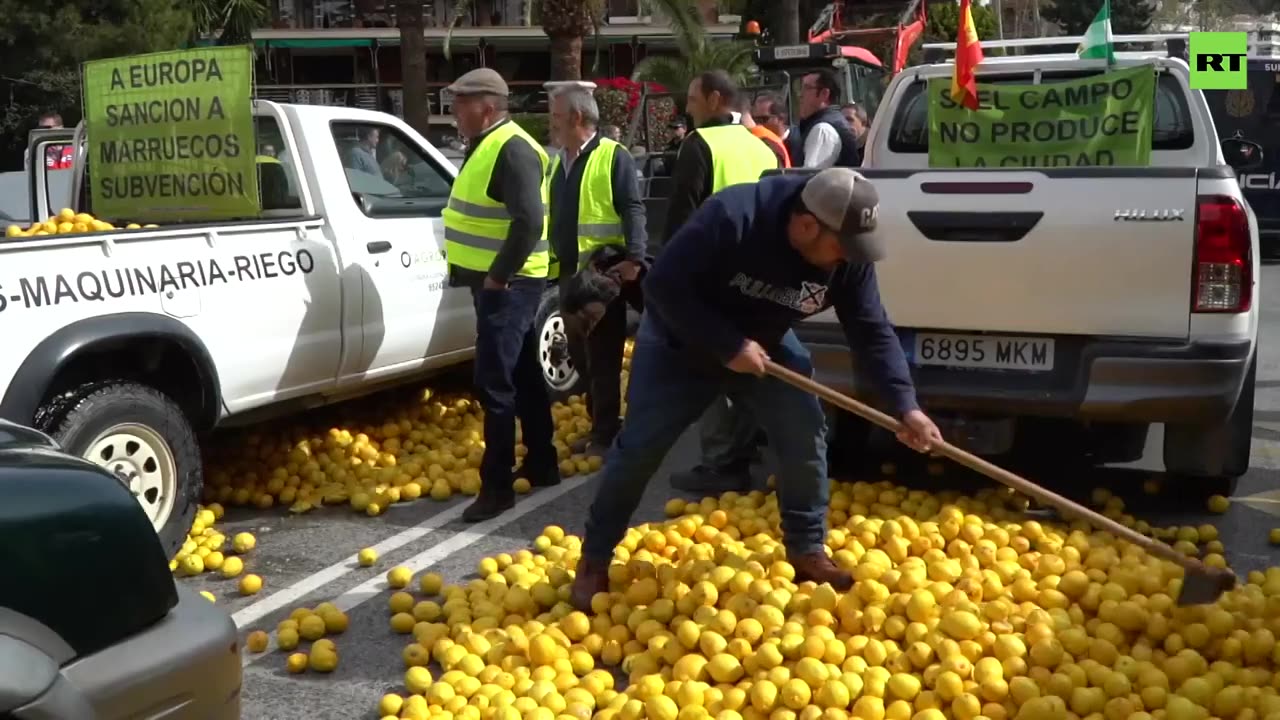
x=1204 y=15
x=944 y=22
x=43 y=44
x=232 y=21
x=1128 y=17
x=699 y=52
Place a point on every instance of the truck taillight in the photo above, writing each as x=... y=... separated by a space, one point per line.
x=1222 y=277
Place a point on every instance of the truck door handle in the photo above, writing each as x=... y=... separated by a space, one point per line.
x=958 y=226
x=378 y=246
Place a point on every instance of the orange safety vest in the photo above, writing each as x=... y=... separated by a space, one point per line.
x=772 y=139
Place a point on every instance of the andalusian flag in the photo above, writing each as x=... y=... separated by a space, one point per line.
x=964 y=83
x=1097 y=43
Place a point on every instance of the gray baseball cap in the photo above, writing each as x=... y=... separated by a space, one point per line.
x=845 y=201
x=481 y=81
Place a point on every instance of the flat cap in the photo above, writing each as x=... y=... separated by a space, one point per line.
x=481 y=81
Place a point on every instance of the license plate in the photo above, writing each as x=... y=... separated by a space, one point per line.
x=984 y=352
x=791 y=52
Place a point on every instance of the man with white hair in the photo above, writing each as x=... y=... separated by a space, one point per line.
x=595 y=203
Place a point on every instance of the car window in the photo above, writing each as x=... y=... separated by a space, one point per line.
x=1172 y=128
x=381 y=161
x=278 y=183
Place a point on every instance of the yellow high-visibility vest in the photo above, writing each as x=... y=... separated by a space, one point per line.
x=475 y=225
x=598 y=221
x=737 y=156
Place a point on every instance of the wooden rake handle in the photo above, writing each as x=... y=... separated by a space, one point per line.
x=978 y=465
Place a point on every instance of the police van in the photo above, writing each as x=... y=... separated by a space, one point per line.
x=1253 y=114
x=127 y=345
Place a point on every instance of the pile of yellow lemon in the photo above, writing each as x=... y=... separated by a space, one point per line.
x=206 y=551
x=66 y=222
x=306 y=624
x=963 y=608
x=428 y=446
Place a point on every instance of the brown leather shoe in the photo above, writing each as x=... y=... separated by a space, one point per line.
x=592 y=577
x=819 y=568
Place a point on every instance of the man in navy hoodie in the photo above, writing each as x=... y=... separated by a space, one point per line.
x=753 y=260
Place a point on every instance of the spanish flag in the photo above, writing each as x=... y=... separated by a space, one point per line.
x=964 y=84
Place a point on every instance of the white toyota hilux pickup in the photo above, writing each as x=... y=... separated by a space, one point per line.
x=1063 y=311
x=126 y=345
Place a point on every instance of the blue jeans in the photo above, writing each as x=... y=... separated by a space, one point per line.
x=509 y=383
x=667 y=394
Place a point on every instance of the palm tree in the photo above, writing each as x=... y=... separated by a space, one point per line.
x=786 y=15
x=233 y=21
x=413 y=64
x=566 y=23
x=699 y=52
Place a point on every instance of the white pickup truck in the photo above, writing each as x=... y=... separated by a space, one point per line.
x=127 y=345
x=1061 y=312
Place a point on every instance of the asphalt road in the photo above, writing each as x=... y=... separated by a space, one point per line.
x=309 y=559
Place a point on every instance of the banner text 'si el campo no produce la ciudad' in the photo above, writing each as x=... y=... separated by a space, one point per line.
x=1098 y=120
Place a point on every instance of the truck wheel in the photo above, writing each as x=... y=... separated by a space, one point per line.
x=143 y=437
x=558 y=356
x=1209 y=460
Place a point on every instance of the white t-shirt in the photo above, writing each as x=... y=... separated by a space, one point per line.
x=822 y=147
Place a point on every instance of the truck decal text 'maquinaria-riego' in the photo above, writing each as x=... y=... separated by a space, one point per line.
x=104 y=284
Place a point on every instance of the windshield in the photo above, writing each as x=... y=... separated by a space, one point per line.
x=860 y=85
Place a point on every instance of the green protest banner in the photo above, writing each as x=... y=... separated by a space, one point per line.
x=171 y=136
x=1098 y=120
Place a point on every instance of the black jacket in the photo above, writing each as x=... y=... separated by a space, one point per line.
x=850 y=155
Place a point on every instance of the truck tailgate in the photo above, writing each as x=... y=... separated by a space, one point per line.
x=1076 y=251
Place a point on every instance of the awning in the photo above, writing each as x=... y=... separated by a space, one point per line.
x=312 y=43
x=301 y=44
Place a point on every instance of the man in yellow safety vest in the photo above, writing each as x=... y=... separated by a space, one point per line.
x=595 y=203
x=496 y=243
x=719 y=153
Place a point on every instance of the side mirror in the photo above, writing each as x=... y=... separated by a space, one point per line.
x=1242 y=154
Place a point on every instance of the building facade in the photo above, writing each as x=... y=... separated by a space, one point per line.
x=347 y=52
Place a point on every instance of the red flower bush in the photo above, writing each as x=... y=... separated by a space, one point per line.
x=618 y=98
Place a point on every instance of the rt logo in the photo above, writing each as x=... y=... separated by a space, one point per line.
x=1218 y=60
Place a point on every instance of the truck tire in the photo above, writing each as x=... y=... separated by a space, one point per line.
x=1209 y=459
x=142 y=436
x=559 y=357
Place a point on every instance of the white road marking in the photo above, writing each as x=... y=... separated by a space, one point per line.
x=1265 y=455
x=374 y=586
x=309 y=584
